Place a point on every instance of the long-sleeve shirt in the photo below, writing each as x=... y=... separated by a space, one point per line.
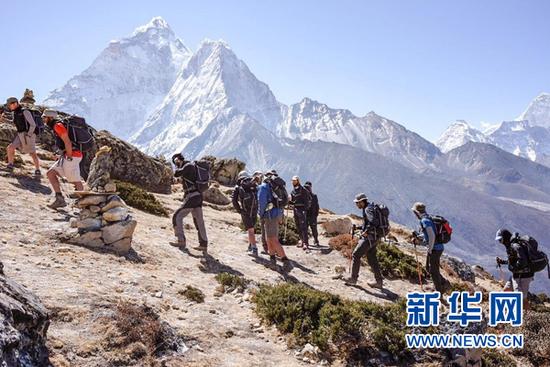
x=428 y=234
x=300 y=197
x=264 y=199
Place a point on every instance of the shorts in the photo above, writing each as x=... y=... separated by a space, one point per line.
x=519 y=285
x=68 y=169
x=271 y=227
x=25 y=143
x=249 y=221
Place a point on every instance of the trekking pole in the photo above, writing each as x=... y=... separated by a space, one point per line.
x=500 y=272
x=353 y=229
x=286 y=224
x=418 y=265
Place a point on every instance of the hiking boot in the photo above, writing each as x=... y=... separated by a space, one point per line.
x=272 y=261
x=287 y=265
x=37 y=172
x=350 y=281
x=178 y=243
x=249 y=249
x=254 y=251
x=59 y=202
x=376 y=284
x=202 y=248
x=10 y=167
x=316 y=244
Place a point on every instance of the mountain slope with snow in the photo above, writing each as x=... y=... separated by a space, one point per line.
x=213 y=82
x=126 y=81
x=314 y=121
x=458 y=134
x=538 y=111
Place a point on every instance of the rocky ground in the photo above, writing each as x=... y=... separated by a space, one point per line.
x=81 y=287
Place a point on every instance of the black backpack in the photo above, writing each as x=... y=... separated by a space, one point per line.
x=382 y=214
x=443 y=229
x=278 y=191
x=37 y=117
x=80 y=133
x=248 y=196
x=537 y=259
x=203 y=175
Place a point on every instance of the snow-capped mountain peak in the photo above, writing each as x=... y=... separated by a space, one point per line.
x=457 y=134
x=213 y=81
x=538 y=111
x=126 y=81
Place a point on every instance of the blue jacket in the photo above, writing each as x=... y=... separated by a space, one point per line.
x=264 y=199
x=428 y=231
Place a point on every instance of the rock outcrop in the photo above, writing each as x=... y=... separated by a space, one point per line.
x=215 y=196
x=225 y=171
x=337 y=226
x=24 y=323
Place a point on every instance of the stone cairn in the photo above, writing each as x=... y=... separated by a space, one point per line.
x=104 y=221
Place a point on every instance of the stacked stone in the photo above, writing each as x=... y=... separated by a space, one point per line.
x=104 y=221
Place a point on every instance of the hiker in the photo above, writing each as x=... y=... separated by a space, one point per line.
x=313 y=213
x=192 y=203
x=368 y=241
x=271 y=212
x=68 y=163
x=245 y=202
x=25 y=140
x=258 y=178
x=434 y=245
x=300 y=199
x=523 y=261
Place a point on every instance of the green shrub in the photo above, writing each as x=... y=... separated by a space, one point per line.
x=537 y=344
x=230 y=282
x=336 y=326
x=539 y=302
x=192 y=294
x=140 y=199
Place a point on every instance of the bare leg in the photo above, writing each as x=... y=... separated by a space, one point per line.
x=54 y=181
x=78 y=186
x=11 y=153
x=251 y=236
x=275 y=247
x=35 y=161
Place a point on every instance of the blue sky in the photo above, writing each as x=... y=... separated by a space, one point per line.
x=420 y=63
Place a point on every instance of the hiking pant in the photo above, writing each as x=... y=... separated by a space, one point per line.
x=312 y=224
x=300 y=218
x=433 y=262
x=367 y=245
x=192 y=203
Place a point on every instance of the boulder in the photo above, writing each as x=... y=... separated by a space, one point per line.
x=100 y=169
x=215 y=196
x=7 y=133
x=337 y=226
x=121 y=246
x=25 y=322
x=225 y=171
x=89 y=224
x=460 y=268
x=90 y=200
x=89 y=239
x=113 y=201
x=86 y=213
x=118 y=230
x=116 y=214
x=94 y=209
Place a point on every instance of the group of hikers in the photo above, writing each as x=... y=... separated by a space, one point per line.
x=263 y=196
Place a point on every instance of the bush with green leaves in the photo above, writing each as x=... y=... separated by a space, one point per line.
x=192 y=294
x=494 y=358
x=140 y=199
x=230 y=282
x=337 y=326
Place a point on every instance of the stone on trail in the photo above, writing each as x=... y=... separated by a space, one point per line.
x=121 y=246
x=89 y=224
x=113 y=201
x=89 y=239
x=116 y=214
x=118 y=230
x=91 y=200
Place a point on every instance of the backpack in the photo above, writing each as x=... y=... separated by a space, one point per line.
x=382 y=213
x=443 y=229
x=80 y=133
x=278 y=191
x=37 y=117
x=247 y=196
x=203 y=175
x=537 y=259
